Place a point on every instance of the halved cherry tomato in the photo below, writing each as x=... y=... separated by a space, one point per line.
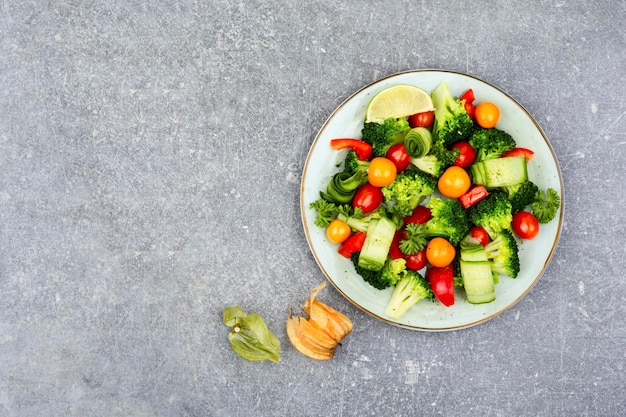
x=525 y=225
x=363 y=149
x=440 y=252
x=399 y=156
x=480 y=234
x=487 y=114
x=469 y=98
x=454 y=182
x=526 y=153
x=421 y=214
x=338 y=231
x=473 y=196
x=352 y=244
x=367 y=198
x=424 y=119
x=394 y=250
x=442 y=283
x=467 y=154
x=417 y=261
x=381 y=172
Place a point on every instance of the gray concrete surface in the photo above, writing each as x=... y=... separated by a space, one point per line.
x=150 y=161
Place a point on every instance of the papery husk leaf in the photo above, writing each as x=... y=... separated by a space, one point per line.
x=232 y=315
x=319 y=335
x=250 y=337
x=336 y=324
x=309 y=339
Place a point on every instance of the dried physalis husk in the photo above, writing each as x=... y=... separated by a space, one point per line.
x=249 y=336
x=319 y=335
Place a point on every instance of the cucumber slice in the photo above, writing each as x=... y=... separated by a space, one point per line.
x=473 y=252
x=500 y=172
x=378 y=238
x=478 y=282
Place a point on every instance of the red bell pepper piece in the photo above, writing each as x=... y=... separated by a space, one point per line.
x=354 y=243
x=394 y=250
x=473 y=196
x=363 y=149
x=469 y=98
x=526 y=153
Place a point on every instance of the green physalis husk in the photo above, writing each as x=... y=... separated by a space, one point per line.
x=250 y=338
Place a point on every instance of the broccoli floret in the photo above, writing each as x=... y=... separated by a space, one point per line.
x=392 y=271
x=490 y=143
x=521 y=195
x=452 y=123
x=371 y=277
x=352 y=164
x=410 y=290
x=437 y=160
x=545 y=206
x=449 y=220
x=494 y=213
x=384 y=135
x=389 y=275
x=445 y=156
x=503 y=254
x=408 y=190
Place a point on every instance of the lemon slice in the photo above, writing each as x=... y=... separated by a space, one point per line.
x=398 y=101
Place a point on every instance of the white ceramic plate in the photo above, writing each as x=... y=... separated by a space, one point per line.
x=347 y=121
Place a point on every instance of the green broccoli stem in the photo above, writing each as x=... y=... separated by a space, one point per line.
x=410 y=290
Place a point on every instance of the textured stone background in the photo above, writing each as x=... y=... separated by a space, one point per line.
x=150 y=162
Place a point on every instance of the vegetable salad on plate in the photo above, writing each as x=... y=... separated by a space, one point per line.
x=432 y=197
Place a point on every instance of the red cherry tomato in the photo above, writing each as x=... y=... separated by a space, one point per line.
x=526 y=153
x=399 y=156
x=367 y=198
x=424 y=119
x=480 y=234
x=417 y=261
x=525 y=225
x=420 y=215
x=467 y=154
x=442 y=283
